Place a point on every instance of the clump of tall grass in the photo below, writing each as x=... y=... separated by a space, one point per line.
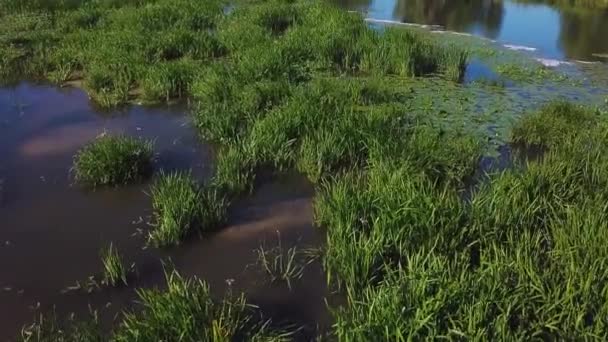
x=186 y=311
x=113 y=160
x=229 y=104
x=376 y=219
x=114 y=269
x=553 y=124
x=407 y=53
x=181 y=207
x=170 y=80
x=235 y=170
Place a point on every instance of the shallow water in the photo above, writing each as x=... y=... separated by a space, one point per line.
x=51 y=231
x=549 y=31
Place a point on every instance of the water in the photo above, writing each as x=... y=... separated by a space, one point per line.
x=554 y=32
x=51 y=231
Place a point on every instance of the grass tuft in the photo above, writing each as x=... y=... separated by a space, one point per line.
x=113 y=160
x=50 y=329
x=181 y=208
x=553 y=124
x=114 y=269
x=186 y=311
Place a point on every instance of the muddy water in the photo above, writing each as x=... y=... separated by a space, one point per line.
x=51 y=231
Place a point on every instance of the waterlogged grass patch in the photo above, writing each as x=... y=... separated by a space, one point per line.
x=182 y=207
x=235 y=169
x=114 y=269
x=553 y=124
x=281 y=265
x=532 y=73
x=50 y=329
x=186 y=311
x=113 y=160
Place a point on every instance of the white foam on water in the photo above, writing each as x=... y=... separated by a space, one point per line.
x=394 y=22
x=586 y=62
x=519 y=47
x=551 y=62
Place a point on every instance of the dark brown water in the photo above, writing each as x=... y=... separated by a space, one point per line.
x=51 y=231
x=558 y=32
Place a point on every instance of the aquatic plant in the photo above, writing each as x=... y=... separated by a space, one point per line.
x=169 y=80
x=279 y=264
x=113 y=160
x=181 y=207
x=234 y=172
x=114 y=269
x=186 y=311
x=50 y=329
x=553 y=124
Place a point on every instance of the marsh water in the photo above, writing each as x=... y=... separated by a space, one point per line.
x=552 y=31
x=51 y=231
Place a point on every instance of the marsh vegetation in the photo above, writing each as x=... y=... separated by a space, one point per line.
x=113 y=160
x=369 y=117
x=182 y=207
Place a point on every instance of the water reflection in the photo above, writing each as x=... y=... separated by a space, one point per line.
x=453 y=15
x=556 y=31
x=582 y=36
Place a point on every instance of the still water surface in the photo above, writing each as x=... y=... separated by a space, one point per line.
x=51 y=231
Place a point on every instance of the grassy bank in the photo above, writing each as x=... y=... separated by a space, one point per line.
x=420 y=245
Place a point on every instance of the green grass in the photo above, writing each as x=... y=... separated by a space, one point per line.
x=531 y=72
x=50 y=329
x=279 y=264
x=186 y=311
x=114 y=269
x=181 y=207
x=408 y=254
x=158 y=50
x=235 y=170
x=421 y=247
x=553 y=124
x=113 y=160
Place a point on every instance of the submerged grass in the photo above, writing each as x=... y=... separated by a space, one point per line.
x=113 y=160
x=50 y=329
x=184 y=311
x=181 y=207
x=114 y=269
x=281 y=265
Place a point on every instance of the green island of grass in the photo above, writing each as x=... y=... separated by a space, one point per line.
x=113 y=160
